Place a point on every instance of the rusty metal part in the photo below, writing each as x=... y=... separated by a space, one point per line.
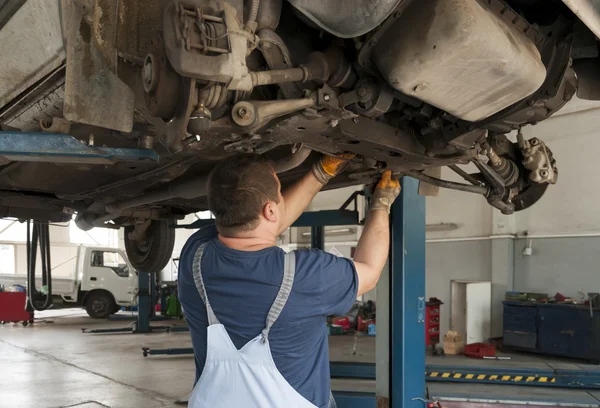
x=190 y=188
x=87 y=221
x=162 y=85
x=146 y=142
x=448 y=184
x=199 y=120
x=255 y=114
x=252 y=14
x=496 y=196
x=172 y=133
x=279 y=76
x=277 y=56
x=465 y=175
x=137 y=23
x=93 y=93
x=332 y=68
x=269 y=13
x=55 y=125
x=212 y=96
x=139 y=230
x=375 y=99
x=166 y=172
x=506 y=168
x=204 y=46
x=298 y=156
x=538 y=159
x=104 y=26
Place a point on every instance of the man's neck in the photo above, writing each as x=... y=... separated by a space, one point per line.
x=251 y=243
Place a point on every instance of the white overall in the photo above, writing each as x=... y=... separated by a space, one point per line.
x=247 y=377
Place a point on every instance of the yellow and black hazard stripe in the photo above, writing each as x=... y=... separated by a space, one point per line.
x=440 y=375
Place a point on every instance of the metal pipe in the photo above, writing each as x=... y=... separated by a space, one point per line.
x=279 y=76
x=191 y=189
x=465 y=175
x=293 y=161
x=448 y=184
x=588 y=12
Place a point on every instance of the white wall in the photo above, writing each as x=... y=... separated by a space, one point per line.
x=568 y=208
x=570 y=205
x=64 y=238
x=470 y=212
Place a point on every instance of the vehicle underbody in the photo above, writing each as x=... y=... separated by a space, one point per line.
x=153 y=93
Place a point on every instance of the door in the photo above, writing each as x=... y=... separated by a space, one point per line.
x=107 y=269
x=479 y=312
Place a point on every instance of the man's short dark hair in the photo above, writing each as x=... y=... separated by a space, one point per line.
x=238 y=189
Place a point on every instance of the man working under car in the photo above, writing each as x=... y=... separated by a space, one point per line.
x=256 y=314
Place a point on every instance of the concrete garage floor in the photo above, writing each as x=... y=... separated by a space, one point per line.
x=51 y=365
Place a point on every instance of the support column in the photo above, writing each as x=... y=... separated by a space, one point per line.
x=502 y=267
x=407 y=298
x=317 y=237
x=144 y=302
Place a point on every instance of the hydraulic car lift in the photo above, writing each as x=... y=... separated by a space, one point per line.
x=402 y=382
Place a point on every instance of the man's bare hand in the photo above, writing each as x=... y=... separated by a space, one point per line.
x=386 y=191
x=329 y=166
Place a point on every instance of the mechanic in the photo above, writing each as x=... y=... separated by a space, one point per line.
x=256 y=314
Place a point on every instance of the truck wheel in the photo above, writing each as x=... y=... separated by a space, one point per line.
x=115 y=309
x=98 y=305
x=151 y=254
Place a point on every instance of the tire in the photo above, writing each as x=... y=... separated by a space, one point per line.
x=152 y=254
x=115 y=309
x=99 y=305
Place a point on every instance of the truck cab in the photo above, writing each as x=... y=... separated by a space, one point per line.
x=102 y=281
x=106 y=281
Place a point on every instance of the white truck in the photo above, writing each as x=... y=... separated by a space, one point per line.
x=102 y=281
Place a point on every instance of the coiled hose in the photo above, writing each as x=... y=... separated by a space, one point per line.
x=253 y=13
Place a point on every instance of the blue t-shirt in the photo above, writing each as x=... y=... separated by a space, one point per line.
x=241 y=287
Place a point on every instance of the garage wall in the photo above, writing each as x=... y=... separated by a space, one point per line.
x=460 y=260
x=563 y=265
x=564 y=226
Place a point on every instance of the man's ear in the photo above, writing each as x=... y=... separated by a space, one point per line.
x=270 y=211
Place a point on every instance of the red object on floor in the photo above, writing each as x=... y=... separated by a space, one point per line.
x=12 y=307
x=432 y=321
x=363 y=325
x=480 y=350
x=342 y=321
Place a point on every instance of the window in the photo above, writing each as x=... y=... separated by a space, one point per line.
x=7 y=259
x=112 y=260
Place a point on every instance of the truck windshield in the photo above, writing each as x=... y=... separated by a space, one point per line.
x=112 y=260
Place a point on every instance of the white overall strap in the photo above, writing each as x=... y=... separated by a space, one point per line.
x=197 y=271
x=289 y=270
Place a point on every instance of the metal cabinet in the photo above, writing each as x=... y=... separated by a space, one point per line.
x=554 y=329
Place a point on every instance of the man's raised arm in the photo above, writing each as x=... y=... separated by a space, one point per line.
x=300 y=194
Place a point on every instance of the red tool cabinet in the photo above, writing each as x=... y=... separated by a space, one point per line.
x=12 y=308
x=432 y=321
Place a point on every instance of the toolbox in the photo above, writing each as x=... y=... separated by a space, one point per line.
x=432 y=321
x=12 y=308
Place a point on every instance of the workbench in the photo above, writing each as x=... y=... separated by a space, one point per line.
x=553 y=329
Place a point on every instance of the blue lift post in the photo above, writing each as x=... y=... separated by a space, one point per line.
x=145 y=297
x=407 y=298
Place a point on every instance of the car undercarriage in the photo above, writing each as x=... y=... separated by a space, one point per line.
x=116 y=110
